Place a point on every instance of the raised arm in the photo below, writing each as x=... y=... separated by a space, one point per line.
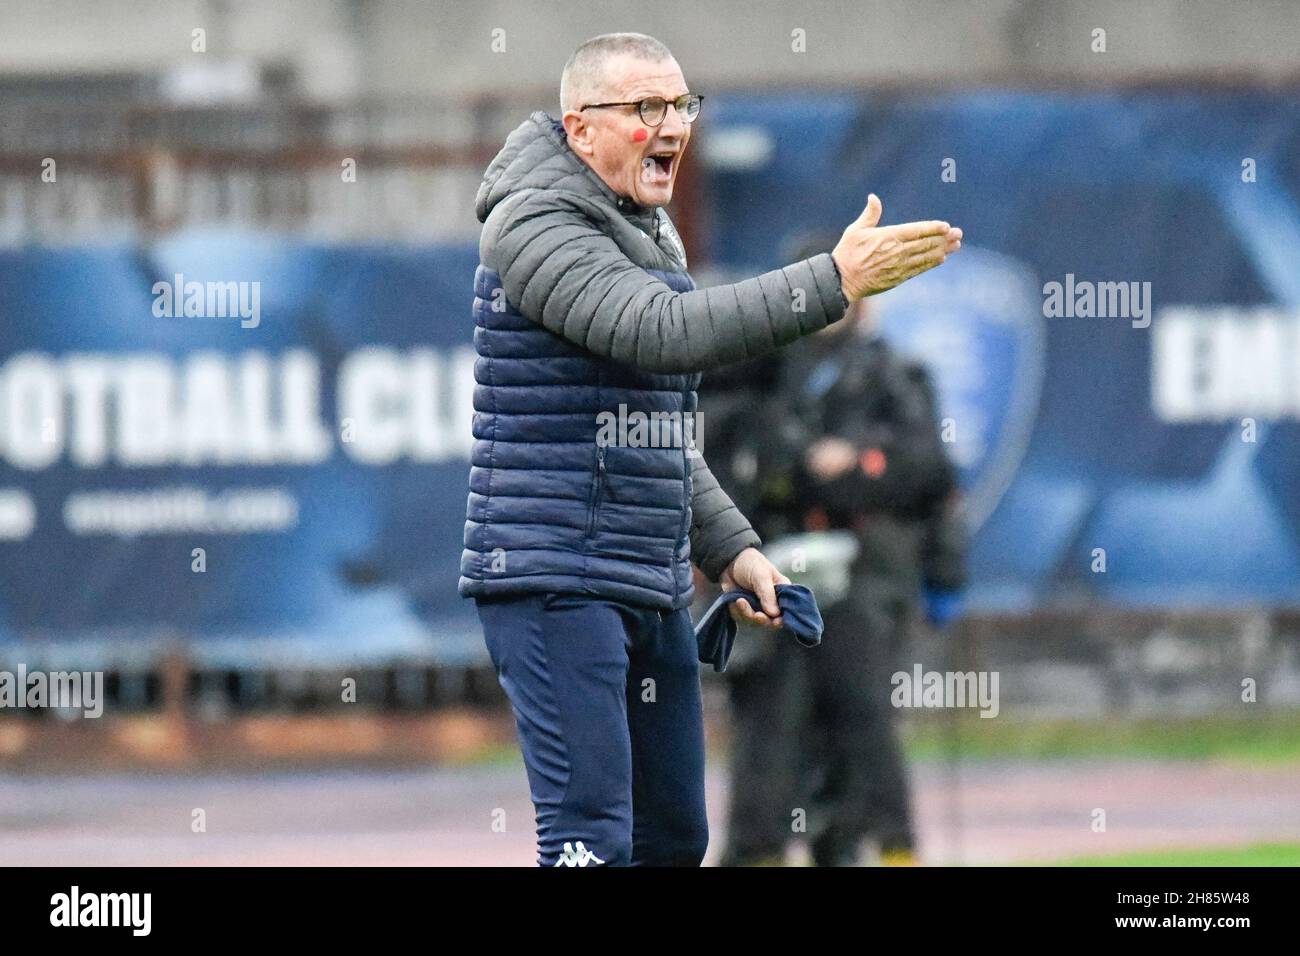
x=559 y=269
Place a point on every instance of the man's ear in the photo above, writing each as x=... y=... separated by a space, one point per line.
x=579 y=132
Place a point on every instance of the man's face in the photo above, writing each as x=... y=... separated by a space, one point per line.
x=606 y=139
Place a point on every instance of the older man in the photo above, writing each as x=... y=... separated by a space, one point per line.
x=578 y=549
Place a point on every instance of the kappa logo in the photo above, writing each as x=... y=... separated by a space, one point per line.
x=580 y=856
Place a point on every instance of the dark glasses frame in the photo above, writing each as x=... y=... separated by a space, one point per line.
x=684 y=105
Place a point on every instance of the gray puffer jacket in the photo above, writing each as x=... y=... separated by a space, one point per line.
x=583 y=306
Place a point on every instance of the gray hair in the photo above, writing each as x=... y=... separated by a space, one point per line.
x=584 y=70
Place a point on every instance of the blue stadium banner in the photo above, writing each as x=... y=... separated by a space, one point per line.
x=233 y=437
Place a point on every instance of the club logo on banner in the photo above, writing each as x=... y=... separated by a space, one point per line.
x=977 y=324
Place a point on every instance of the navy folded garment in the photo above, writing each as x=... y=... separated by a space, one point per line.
x=716 y=632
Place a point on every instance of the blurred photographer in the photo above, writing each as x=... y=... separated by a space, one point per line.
x=850 y=486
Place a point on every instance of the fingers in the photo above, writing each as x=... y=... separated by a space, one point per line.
x=920 y=256
x=766 y=591
x=915 y=265
x=925 y=247
x=871 y=214
x=908 y=231
x=742 y=613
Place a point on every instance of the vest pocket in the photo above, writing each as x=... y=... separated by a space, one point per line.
x=597 y=490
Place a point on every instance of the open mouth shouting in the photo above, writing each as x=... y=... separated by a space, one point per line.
x=658 y=167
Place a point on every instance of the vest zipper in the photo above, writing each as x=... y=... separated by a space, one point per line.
x=684 y=528
x=598 y=489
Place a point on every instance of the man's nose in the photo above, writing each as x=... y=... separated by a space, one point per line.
x=673 y=126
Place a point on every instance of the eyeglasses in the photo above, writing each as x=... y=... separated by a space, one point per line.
x=653 y=109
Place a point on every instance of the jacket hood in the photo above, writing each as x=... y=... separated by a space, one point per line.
x=537 y=156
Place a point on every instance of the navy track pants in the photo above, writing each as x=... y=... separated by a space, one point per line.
x=606 y=698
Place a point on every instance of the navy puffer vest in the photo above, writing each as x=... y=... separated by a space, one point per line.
x=550 y=508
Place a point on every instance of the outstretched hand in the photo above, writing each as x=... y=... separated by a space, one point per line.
x=873 y=258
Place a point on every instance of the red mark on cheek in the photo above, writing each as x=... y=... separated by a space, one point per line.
x=640 y=136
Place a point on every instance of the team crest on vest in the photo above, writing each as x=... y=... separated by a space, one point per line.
x=977 y=325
